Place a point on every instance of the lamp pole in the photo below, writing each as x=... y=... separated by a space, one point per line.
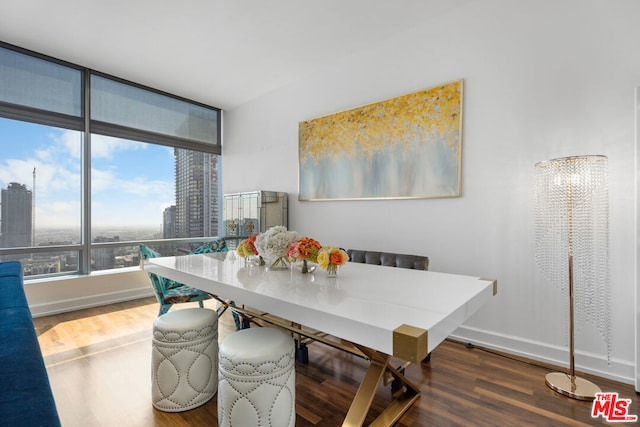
x=563 y=183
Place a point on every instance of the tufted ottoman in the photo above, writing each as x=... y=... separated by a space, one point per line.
x=184 y=359
x=257 y=379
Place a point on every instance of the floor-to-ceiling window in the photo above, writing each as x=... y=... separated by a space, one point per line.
x=91 y=165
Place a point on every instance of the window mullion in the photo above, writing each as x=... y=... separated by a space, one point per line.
x=85 y=253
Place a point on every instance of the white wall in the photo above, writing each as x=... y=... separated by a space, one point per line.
x=60 y=295
x=543 y=79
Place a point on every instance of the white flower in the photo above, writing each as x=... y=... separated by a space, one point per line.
x=274 y=242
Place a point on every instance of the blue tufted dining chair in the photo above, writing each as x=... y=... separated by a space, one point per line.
x=169 y=292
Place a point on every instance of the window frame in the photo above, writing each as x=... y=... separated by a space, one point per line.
x=85 y=124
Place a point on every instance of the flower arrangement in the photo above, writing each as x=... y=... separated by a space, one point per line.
x=274 y=243
x=305 y=249
x=247 y=247
x=331 y=258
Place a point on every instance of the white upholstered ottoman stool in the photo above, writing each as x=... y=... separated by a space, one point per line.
x=257 y=379
x=184 y=359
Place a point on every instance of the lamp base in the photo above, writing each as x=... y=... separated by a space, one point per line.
x=573 y=387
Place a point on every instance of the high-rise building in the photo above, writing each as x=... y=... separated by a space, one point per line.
x=16 y=226
x=196 y=189
x=104 y=258
x=169 y=222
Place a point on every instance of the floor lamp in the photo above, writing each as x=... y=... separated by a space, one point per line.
x=571 y=227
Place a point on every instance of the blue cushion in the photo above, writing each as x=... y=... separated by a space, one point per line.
x=26 y=399
x=11 y=268
x=12 y=293
x=213 y=246
x=146 y=252
x=169 y=291
x=158 y=282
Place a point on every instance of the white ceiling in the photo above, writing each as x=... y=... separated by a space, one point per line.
x=219 y=52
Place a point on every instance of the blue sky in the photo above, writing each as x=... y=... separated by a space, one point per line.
x=132 y=182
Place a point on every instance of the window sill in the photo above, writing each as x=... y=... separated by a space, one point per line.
x=114 y=271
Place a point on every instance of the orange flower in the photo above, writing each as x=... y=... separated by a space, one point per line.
x=330 y=255
x=248 y=247
x=338 y=257
x=304 y=249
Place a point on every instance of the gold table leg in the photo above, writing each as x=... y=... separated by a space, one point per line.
x=362 y=401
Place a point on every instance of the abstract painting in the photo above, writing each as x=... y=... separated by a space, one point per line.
x=401 y=148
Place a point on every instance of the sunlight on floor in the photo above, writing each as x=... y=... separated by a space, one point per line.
x=74 y=334
x=100 y=332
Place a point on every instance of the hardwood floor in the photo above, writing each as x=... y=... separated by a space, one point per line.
x=98 y=362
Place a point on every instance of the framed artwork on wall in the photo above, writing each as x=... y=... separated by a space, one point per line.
x=401 y=148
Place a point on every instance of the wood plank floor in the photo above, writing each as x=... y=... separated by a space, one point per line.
x=99 y=360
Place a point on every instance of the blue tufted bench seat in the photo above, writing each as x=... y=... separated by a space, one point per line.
x=26 y=398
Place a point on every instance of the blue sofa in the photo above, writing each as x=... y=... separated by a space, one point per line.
x=26 y=398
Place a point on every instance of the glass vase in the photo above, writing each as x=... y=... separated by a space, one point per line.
x=306 y=267
x=279 y=263
x=332 y=270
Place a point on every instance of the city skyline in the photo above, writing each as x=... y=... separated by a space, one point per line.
x=132 y=182
x=132 y=185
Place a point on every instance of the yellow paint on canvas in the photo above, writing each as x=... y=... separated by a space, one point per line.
x=409 y=119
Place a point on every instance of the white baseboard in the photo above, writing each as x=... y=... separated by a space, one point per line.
x=620 y=370
x=96 y=300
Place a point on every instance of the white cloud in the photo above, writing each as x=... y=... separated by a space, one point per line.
x=50 y=176
x=58 y=186
x=20 y=171
x=102 y=179
x=59 y=214
x=106 y=180
x=64 y=207
x=57 y=166
x=69 y=143
x=105 y=147
x=130 y=201
x=154 y=188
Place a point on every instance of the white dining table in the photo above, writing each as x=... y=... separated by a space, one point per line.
x=382 y=311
